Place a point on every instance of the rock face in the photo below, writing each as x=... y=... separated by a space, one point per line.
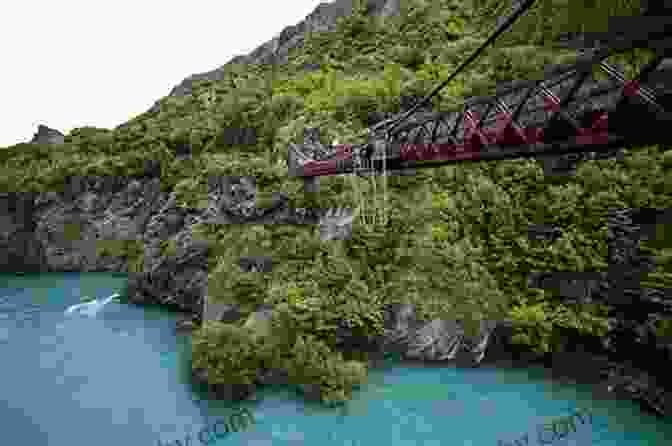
x=67 y=230
x=46 y=135
x=20 y=251
x=322 y=19
x=433 y=340
x=636 y=309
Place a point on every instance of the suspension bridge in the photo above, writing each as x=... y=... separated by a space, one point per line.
x=565 y=117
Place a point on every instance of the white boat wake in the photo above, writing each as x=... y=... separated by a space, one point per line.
x=91 y=308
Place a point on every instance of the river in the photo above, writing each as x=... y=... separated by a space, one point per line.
x=120 y=376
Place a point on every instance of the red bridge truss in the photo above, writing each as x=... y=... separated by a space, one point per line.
x=563 y=118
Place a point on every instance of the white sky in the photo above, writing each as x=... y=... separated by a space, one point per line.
x=73 y=63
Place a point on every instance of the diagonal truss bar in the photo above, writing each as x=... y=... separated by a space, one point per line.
x=633 y=87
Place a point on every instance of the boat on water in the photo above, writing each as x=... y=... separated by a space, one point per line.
x=91 y=307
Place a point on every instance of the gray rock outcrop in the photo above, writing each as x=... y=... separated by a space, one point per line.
x=46 y=135
x=20 y=251
x=67 y=230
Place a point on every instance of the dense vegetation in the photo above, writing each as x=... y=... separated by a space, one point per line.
x=459 y=248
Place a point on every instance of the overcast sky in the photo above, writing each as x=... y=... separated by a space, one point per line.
x=73 y=63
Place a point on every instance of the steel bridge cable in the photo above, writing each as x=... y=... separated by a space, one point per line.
x=503 y=27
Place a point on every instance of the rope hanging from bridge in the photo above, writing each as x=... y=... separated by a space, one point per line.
x=389 y=126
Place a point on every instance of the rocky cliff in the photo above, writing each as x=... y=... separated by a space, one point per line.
x=19 y=248
x=46 y=135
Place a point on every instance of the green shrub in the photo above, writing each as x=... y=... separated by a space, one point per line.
x=231 y=354
x=365 y=63
x=326 y=297
x=540 y=324
x=235 y=355
x=284 y=105
x=25 y=151
x=132 y=250
x=314 y=363
x=666 y=161
x=357 y=106
x=169 y=248
x=408 y=56
x=72 y=231
x=663 y=328
x=245 y=289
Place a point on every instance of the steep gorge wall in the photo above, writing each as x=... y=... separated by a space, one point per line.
x=69 y=230
x=19 y=249
x=64 y=231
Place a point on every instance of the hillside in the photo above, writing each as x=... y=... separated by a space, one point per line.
x=455 y=241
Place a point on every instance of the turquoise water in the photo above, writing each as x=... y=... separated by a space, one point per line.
x=121 y=377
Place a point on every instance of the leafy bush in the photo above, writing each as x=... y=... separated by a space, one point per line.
x=231 y=354
x=408 y=57
x=191 y=193
x=667 y=159
x=664 y=328
x=284 y=105
x=235 y=355
x=314 y=363
x=169 y=248
x=72 y=231
x=25 y=151
x=132 y=250
x=318 y=308
x=539 y=324
x=91 y=139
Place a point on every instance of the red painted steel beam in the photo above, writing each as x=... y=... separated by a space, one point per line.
x=472 y=148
